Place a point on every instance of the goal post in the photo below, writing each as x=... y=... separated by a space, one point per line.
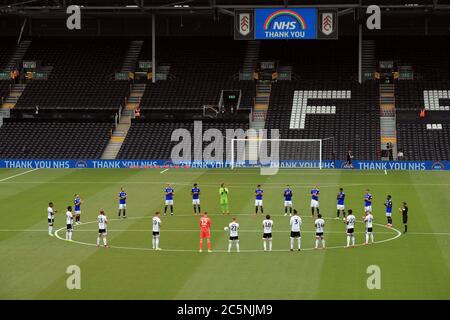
x=285 y=153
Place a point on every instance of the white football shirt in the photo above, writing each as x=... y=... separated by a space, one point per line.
x=234 y=227
x=102 y=221
x=351 y=221
x=267 y=224
x=320 y=224
x=156 y=224
x=50 y=212
x=369 y=221
x=295 y=223
x=68 y=217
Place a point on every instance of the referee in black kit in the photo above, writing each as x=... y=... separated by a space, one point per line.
x=404 y=212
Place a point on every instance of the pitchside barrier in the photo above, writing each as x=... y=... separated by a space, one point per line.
x=163 y=164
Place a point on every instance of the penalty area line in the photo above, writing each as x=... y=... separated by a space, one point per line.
x=19 y=174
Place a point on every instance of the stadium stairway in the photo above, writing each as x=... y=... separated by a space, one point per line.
x=258 y=117
x=136 y=93
x=14 y=95
x=18 y=55
x=134 y=50
x=251 y=56
x=388 y=131
x=368 y=60
x=118 y=135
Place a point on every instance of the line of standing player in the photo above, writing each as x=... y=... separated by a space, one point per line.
x=205 y=222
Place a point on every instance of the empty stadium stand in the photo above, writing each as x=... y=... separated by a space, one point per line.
x=429 y=56
x=82 y=76
x=355 y=124
x=315 y=60
x=153 y=140
x=53 y=140
x=421 y=141
x=197 y=73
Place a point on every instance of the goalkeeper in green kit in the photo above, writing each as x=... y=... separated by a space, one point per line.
x=224 y=199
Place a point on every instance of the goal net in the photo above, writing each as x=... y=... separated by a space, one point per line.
x=282 y=153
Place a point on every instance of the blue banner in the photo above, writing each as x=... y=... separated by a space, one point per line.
x=283 y=23
x=151 y=164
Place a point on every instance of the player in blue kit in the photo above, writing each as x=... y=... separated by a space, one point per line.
x=122 y=203
x=340 y=203
x=287 y=194
x=388 y=205
x=196 y=198
x=367 y=201
x=77 y=208
x=315 y=192
x=259 y=199
x=169 y=199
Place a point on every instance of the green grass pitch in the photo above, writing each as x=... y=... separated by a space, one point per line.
x=33 y=265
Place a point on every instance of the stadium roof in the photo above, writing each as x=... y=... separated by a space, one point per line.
x=54 y=8
x=179 y=5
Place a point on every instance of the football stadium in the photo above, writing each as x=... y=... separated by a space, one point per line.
x=225 y=150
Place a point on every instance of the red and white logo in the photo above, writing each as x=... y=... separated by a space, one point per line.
x=327 y=23
x=244 y=23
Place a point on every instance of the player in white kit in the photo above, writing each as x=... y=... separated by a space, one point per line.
x=102 y=233
x=320 y=225
x=368 y=219
x=267 y=232
x=295 y=223
x=350 y=227
x=51 y=218
x=234 y=236
x=69 y=223
x=156 y=222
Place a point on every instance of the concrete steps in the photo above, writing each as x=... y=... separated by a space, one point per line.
x=120 y=132
x=18 y=55
x=11 y=100
x=388 y=122
x=132 y=55
x=251 y=56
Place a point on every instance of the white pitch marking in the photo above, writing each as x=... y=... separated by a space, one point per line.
x=218 y=251
x=163 y=171
x=19 y=174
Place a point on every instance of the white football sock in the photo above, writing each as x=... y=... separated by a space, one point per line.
x=270 y=245
x=70 y=235
x=153 y=243
x=367 y=237
x=317 y=243
x=292 y=243
x=229 y=245
x=50 y=229
x=157 y=242
x=104 y=241
x=98 y=240
x=323 y=243
x=348 y=241
x=299 y=240
x=371 y=236
x=237 y=245
x=265 y=245
x=67 y=235
x=353 y=240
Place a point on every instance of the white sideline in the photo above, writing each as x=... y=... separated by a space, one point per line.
x=19 y=174
x=164 y=170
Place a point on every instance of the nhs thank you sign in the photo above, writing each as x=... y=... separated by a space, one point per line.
x=286 y=23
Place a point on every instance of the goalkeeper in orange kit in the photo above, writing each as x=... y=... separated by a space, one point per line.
x=205 y=232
